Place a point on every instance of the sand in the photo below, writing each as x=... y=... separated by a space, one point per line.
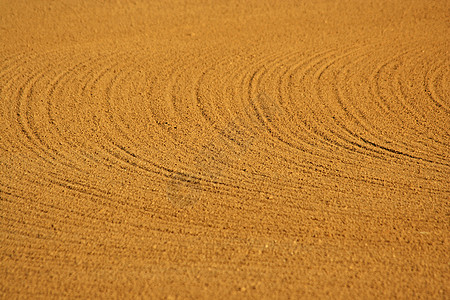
x=224 y=149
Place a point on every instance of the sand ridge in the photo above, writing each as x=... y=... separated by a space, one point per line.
x=224 y=149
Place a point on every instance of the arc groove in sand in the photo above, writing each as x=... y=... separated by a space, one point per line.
x=263 y=120
x=206 y=117
x=104 y=72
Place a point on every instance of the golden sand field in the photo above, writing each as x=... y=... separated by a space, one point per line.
x=224 y=149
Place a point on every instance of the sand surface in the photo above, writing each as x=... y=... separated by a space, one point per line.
x=224 y=149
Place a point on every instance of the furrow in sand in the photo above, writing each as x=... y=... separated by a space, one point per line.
x=436 y=80
x=226 y=147
x=381 y=150
x=374 y=134
x=35 y=142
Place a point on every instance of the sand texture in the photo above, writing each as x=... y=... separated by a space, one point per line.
x=224 y=149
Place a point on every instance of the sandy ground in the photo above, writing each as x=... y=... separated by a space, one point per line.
x=212 y=149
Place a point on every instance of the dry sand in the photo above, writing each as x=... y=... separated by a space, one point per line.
x=238 y=149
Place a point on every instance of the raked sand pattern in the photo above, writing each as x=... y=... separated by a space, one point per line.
x=224 y=149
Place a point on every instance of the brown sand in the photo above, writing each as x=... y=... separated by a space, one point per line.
x=241 y=149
